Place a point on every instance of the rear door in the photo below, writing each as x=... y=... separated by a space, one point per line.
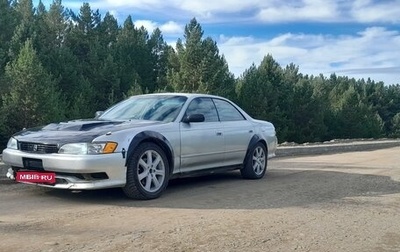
x=237 y=132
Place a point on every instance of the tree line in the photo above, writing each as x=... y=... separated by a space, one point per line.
x=57 y=65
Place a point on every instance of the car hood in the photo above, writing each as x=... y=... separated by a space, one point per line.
x=77 y=130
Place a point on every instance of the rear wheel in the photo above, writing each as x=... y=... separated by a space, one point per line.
x=256 y=164
x=147 y=172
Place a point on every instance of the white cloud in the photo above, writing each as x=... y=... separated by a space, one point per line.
x=149 y=25
x=268 y=11
x=372 y=48
x=211 y=9
x=315 y=10
x=367 y=11
x=168 y=28
x=171 y=28
x=143 y=4
x=194 y=6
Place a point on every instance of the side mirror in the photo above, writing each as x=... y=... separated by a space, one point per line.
x=98 y=114
x=193 y=118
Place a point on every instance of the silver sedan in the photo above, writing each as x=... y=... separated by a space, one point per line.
x=141 y=143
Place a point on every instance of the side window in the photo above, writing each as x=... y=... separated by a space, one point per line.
x=227 y=112
x=203 y=106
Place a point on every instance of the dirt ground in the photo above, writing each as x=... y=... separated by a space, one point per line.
x=338 y=202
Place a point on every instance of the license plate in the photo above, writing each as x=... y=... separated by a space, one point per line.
x=36 y=177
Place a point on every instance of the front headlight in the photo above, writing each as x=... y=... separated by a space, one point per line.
x=12 y=144
x=88 y=148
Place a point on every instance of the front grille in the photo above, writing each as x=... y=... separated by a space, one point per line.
x=38 y=148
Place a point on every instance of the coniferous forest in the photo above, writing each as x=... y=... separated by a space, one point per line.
x=58 y=65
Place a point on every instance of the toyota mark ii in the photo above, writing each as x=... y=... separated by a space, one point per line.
x=141 y=143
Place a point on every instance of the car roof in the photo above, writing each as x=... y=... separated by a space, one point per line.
x=188 y=95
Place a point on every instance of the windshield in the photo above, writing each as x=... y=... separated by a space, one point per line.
x=148 y=107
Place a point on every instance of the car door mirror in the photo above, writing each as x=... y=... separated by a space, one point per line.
x=98 y=114
x=193 y=118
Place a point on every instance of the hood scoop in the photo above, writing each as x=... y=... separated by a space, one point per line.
x=78 y=125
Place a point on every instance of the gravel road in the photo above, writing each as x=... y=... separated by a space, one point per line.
x=337 y=202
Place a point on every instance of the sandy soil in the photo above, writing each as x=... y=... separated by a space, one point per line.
x=338 y=202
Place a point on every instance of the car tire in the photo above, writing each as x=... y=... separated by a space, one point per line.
x=255 y=165
x=147 y=172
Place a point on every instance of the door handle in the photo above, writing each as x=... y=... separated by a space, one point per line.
x=250 y=131
x=219 y=133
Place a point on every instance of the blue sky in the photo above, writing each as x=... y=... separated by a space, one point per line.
x=359 y=38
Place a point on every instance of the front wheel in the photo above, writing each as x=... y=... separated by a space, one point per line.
x=256 y=163
x=147 y=172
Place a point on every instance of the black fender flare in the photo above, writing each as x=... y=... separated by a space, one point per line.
x=155 y=137
x=253 y=141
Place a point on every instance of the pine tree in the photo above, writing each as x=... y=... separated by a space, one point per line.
x=200 y=67
x=133 y=56
x=306 y=109
x=25 y=28
x=8 y=22
x=33 y=98
x=160 y=52
x=264 y=94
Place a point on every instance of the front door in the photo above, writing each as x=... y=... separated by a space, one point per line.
x=202 y=143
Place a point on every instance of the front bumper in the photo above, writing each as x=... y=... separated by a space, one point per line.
x=75 y=172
